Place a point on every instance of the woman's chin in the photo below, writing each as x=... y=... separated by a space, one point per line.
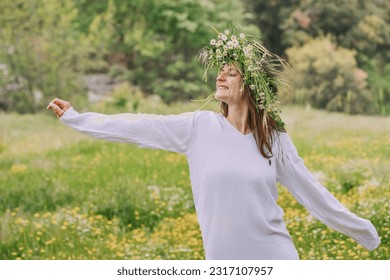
x=220 y=96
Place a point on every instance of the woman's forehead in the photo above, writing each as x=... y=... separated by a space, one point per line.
x=229 y=67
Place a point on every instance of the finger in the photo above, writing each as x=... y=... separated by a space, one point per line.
x=54 y=101
x=64 y=105
x=52 y=106
x=59 y=112
x=59 y=102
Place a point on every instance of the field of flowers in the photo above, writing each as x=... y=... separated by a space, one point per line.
x=66 y=196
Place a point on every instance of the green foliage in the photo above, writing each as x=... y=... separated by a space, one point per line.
x=318 y=18
x=124 y=98
x=327 y=77
x=358 y=25
x=100 y=167
x=42 y=53
x=378 y=73
x=47 y=46
x=157 y=41
x=352 y=176
x=354 y=24
x=269 y=17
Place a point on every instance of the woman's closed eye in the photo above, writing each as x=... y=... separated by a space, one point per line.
x=231 y=73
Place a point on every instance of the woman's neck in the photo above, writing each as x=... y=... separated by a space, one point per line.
x=238 y=117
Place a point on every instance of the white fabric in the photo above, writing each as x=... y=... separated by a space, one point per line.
x=234 y=187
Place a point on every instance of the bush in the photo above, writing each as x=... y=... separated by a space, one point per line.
x=40 y=56
x=326 y=77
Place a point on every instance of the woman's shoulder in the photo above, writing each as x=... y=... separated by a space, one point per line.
x=206 y=114
x=279 y=135
x=282 y=143
x=206 y=118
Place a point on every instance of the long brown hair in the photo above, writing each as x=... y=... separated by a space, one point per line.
x=262 y=129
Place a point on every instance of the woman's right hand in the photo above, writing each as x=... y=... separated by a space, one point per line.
x=59 y=106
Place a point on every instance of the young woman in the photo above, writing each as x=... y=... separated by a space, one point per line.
x=235 y=157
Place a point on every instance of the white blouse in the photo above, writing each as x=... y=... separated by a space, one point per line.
x=233 y=185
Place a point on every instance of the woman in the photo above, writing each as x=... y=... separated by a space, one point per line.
x=235 y=158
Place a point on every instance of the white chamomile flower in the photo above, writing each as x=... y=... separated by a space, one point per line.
x=242 y=35
x=227 y=32
x=224 y=37
x=212 y=42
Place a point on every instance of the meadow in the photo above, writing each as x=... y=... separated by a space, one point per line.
x=67 y=196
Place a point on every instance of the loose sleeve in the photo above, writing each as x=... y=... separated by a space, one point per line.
x=293 y=174
x=170 y=132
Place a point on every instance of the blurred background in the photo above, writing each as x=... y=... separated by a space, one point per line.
x=64 y=195
x=338 y=49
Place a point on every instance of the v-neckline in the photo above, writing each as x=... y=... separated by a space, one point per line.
x=234 y=128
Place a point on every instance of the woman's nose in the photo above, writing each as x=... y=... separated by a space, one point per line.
x=220 y=77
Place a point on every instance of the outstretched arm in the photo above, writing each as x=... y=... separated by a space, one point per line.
x=292 y=173
x=171 y=132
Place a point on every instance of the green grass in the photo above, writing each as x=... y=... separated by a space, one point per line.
x=67 y=196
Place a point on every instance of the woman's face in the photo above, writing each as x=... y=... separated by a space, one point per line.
x=228 y=85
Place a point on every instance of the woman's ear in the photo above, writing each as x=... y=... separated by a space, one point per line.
x=242 y=86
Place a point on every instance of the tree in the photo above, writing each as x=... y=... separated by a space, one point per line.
x=42 y=53
x=326 y=77
x=156 y=42
x=361 y=25
x=321 y=18
x=270 y=16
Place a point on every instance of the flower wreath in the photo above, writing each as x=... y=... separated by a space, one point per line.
x=261 y=69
